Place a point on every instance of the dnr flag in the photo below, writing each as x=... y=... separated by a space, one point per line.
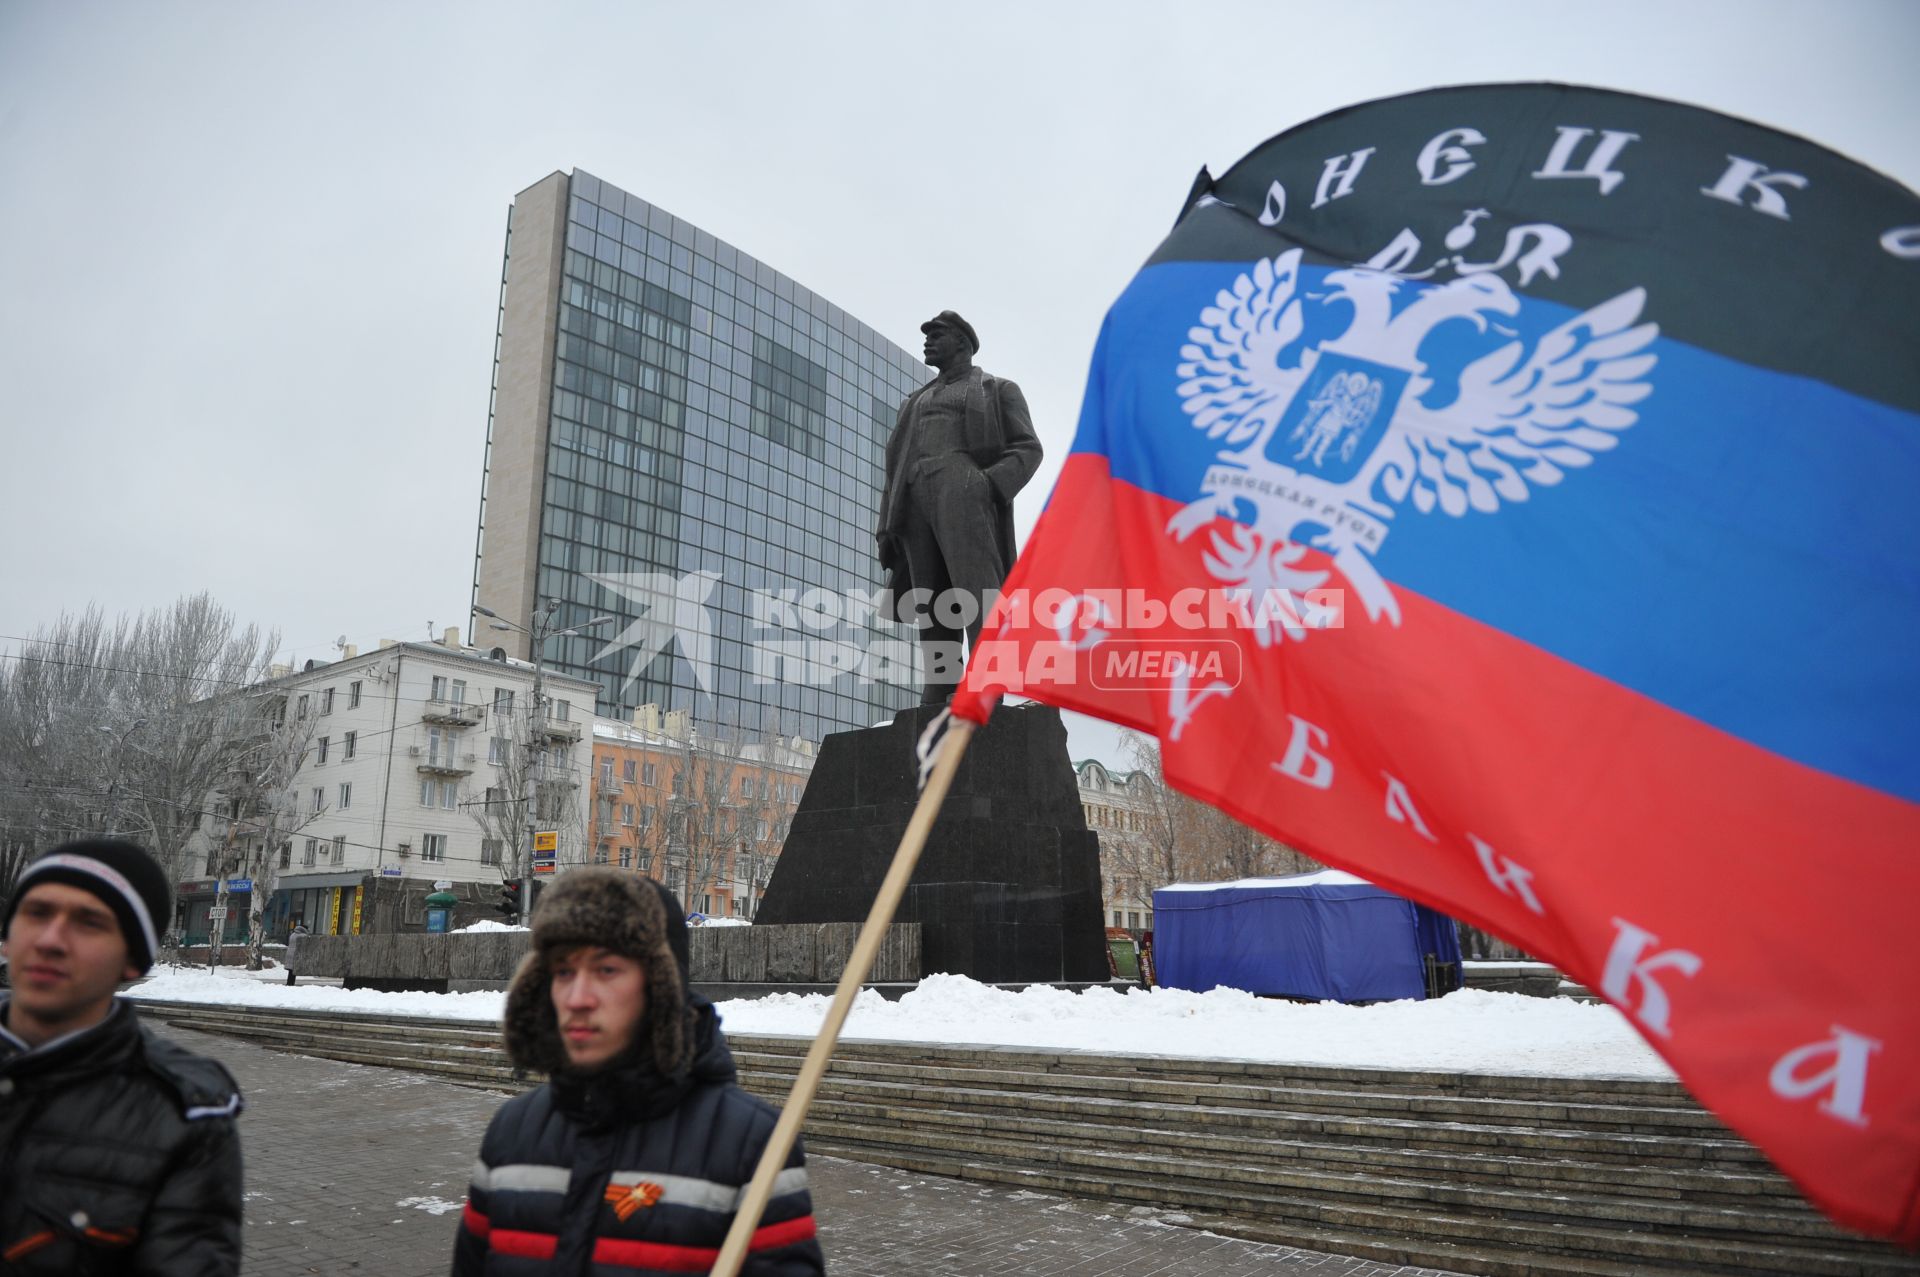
x=1511 y=494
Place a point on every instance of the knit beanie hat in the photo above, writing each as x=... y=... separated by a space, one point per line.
x=606 y=909
x=125 y=877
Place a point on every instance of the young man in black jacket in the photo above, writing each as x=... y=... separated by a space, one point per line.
x=118 y=1152
x=632 y=1157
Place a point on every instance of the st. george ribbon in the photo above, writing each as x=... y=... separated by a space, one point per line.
x=1511 y=494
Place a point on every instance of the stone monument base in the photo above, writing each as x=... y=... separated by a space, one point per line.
x=1008 y=887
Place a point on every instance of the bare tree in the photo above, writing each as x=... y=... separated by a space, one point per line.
x=262 y=798
x=1146 y=855
x=523 y=765
x=704 y=811
x=1175 y=838
x=113 y=726
x=181 y=662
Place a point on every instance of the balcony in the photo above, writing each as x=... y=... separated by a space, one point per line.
x=555 y=774
x=443 y=762
x=560 y=728
x=454 y=713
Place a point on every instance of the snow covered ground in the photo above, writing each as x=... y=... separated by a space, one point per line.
x=1469 y=1031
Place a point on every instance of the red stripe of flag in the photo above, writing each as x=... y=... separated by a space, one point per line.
x=1712 y=890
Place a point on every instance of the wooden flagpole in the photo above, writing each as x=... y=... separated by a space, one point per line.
x=747 y=1218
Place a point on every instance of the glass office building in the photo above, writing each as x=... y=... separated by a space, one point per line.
x=665 y=405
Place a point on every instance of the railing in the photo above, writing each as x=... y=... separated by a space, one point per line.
x=457 y=712
x=564 y=727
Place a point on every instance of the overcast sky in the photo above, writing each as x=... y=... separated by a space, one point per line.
x=250 y=252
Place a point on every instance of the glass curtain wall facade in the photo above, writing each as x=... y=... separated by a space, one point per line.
x=707 y=414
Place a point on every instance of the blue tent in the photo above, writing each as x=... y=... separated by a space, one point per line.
x=1324 y=935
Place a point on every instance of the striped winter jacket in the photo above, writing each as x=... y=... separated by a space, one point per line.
x=623 y=1173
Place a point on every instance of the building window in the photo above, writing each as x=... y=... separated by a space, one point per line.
x=440 y=747
x=560 y=711
x=339 y=849
x=449 y=795
x=1116 y=918
x=458 y=694
x=300 y=710
x=626 y=813
x=746 y=787
x=439 y=688
x=322 y=751
x=433 y=847
x=600 y=855
x=353 y=694
x=646 y=862
x=319 y=798
x=346 y=795
x=428 y=791
x=606 y=771
x=628 y=771
x=648 y=775
x=626 y=857
x=1133 y=918
x=326 y=700
x=308 y=853
x=646 y=819
x=503 y=700
x=497 y=751
x=348 y=743
x=489 y=851
x=286 y=854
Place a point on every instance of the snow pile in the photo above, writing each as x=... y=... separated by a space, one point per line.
x=485 y=924
x=721 y=922
x=1470 y=1031
x=197 y=984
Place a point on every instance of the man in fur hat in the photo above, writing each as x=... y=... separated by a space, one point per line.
x=637 y=1149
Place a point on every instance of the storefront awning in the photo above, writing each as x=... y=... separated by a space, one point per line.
x=301 y=882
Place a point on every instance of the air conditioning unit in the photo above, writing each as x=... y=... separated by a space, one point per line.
x=413 y=751
x=404 y=849
x=472 y=758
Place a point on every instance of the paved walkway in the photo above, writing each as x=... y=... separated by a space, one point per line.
x=353 y=1169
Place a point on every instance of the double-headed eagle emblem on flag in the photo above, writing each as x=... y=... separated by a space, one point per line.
x=1324 y=442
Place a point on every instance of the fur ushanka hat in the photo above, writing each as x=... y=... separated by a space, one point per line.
x=633 y=916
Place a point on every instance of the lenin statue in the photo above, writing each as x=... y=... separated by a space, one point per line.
x=962 y=447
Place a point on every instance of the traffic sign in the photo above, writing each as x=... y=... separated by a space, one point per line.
x=543 y=866
x=546 y=840
x=217 y=914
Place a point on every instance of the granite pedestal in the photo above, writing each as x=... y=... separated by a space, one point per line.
x=1008 y=887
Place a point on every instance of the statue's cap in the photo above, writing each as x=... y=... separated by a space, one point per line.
x=951 y=319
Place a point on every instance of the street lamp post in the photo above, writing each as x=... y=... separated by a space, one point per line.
x=537 y=636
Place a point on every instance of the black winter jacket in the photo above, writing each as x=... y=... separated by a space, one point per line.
x=118 y=1154
x=624 y=1172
